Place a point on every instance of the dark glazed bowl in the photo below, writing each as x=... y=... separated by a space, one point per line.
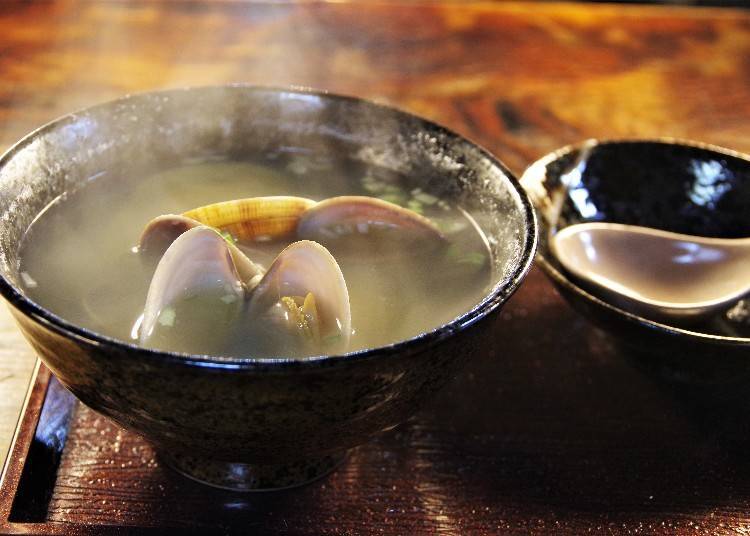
x=685 y=187
x=250 y=423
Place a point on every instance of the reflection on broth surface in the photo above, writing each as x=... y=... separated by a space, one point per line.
x=78 y=258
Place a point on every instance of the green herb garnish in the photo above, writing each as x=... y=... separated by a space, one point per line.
x=167 y=317
x=415 y=206
x=330 y=340
x=475 y=258
x=373 y=185
x=396 y=199
x=425 y=198
x=226 y=235
x=458 y=256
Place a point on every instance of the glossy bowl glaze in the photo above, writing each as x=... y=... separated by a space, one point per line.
x=684 y=187
x=256 y=423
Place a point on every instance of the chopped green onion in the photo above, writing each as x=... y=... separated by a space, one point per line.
x=475 y=258
x=451 y=251
x=458 y=256
x=372 y=185
x=415 y=206
x=331 y=339
x=228 y=237
x=393 y=189
x=425 y=198
x=396 y=199
x=450 y=226
x=167 y=317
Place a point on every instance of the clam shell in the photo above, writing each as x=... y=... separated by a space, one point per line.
x=255 y=218
x=355 y=222
x=195 y=295
x=307 y=267
x=162 y=231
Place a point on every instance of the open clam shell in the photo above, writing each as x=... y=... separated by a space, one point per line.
x=162 y=231
x=195 y=297
x=304 y=268
x=198 y=302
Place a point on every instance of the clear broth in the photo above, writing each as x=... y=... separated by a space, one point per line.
x=78 y=258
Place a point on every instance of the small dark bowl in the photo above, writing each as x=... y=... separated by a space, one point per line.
x=257 y=423
x=685 y=187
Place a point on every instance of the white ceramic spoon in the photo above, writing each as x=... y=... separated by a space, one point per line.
x=660 y=275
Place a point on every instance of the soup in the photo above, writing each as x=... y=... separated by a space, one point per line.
x=80 y=259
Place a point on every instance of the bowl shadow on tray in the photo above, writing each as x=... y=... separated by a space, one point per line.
x=571 y=428
x=720 y=408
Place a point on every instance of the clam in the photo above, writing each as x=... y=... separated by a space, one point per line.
x=305 y=285
x=197 y=301
x=162 y=231
x=339 y=222
x=342 y=222
x=300 y=306
x=195 y=297
x=255 y=218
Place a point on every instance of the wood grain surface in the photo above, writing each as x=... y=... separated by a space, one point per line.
x=521 y=79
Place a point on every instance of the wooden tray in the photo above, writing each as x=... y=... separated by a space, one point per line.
x=553 y=429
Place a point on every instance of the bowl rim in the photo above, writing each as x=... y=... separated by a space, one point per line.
x=499 y=293
x=559 y=277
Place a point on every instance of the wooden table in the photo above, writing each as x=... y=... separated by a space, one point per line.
x=567 y=435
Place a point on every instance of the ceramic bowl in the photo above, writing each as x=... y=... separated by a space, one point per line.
x=257 y=423
x=681 y=186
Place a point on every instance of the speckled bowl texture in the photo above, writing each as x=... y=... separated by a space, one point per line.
x=250 y=423
x=685 y=187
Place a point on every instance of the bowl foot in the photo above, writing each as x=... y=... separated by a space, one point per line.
x=236 y=476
